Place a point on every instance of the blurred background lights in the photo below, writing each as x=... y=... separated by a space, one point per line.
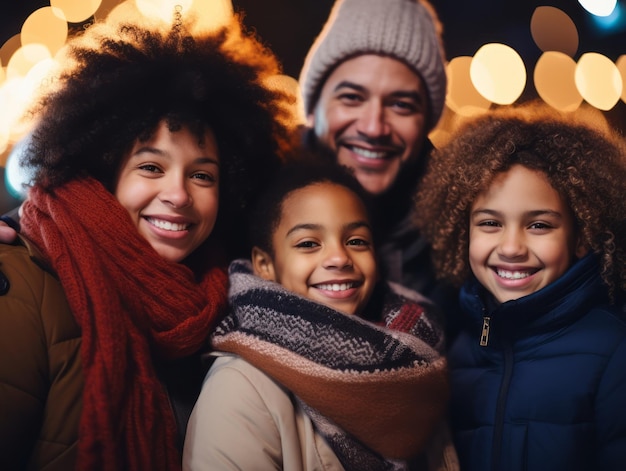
x=462 y=97
x=554 y=81
x=16 y=175
x=553 y=30
x=599 y=7
x=73 y=11
x=162 y=9
x=498 y=73
x=44 y=27
x=598 y=80
x=621 y=67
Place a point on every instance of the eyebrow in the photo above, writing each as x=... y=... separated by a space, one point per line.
x=412 y=94
x=313 y=227
x=159 y=152
x=534 y=213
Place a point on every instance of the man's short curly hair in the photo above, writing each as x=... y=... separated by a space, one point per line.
x=584 y=164
x=119 y=81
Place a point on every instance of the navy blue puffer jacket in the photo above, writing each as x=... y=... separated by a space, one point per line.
x=547 y=389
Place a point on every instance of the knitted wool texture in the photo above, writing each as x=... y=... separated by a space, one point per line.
x=133 y=307
x=407 y=30
x=384 y=384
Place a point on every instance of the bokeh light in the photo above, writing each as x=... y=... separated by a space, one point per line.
x=162 y=9
x=598 y=80
x=599 y=7
x=73 y=11
x=462 y=97
x=498 y=73
x=555 y=83
x=621 y=67
x=44 y=27
x=553 y=30
x=25 y=58
x=17 y=176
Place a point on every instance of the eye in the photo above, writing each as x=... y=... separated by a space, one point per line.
x=540 y=226
x=359 y=242
x=489 y=223
x=149 y=168
x=206 y=178
x=350 y=99
x=404 y=107
x=307 y=244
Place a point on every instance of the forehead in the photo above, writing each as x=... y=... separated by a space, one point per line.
x=521 y=186
x=323 y=204
x=375 y=73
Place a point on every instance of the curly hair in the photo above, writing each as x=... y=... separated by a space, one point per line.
x=120 y=81
x=583 y=163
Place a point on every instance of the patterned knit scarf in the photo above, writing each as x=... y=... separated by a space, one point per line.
x=384 y=386
x=133 y=308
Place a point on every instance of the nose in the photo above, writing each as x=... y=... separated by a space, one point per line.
x=512 y=244
x=372 y=121
x=336 y=256
x=175 y=192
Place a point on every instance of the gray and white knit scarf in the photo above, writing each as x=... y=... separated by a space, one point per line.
x=371 y=389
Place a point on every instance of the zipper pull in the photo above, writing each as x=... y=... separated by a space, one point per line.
x=484 y=335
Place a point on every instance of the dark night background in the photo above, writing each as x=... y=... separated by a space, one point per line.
x=289 y=27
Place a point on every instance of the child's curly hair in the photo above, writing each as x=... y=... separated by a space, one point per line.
x=584 y=164
x=120 y=81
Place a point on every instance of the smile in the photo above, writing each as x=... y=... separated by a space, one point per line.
x=167 y=225
x=336 y=286
x=514 y=275
x=368 y=154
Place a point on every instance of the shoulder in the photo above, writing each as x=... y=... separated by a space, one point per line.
x=232 y=376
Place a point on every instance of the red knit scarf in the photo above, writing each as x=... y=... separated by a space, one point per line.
x=131 y=305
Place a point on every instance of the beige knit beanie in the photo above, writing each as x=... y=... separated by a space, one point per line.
x=408 y=30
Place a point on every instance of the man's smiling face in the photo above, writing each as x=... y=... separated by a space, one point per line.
x=372 y=112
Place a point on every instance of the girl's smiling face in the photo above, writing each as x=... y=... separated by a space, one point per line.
x=522 y=235
x=323 y=248
x=169 y=185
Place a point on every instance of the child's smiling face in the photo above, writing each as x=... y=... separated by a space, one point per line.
x=323 y=248
x=522 y=235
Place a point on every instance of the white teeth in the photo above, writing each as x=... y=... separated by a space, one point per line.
x=166 y=225
x=513 y=275
x=336 y=286
x=369 y=154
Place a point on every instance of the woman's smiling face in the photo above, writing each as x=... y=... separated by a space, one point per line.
x=169 y=185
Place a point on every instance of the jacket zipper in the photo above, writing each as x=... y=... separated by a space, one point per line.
x=484 y=334
x=501 y=407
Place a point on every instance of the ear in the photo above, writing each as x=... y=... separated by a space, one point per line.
x=310 y=120
x=581 y=248
x=262 y=264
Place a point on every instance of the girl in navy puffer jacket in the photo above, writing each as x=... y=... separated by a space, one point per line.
x=535 y=231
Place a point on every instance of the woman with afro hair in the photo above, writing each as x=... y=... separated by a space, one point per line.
x=525 y=211
x=118 y=275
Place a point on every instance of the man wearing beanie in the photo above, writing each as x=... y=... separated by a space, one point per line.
x=374 y=85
